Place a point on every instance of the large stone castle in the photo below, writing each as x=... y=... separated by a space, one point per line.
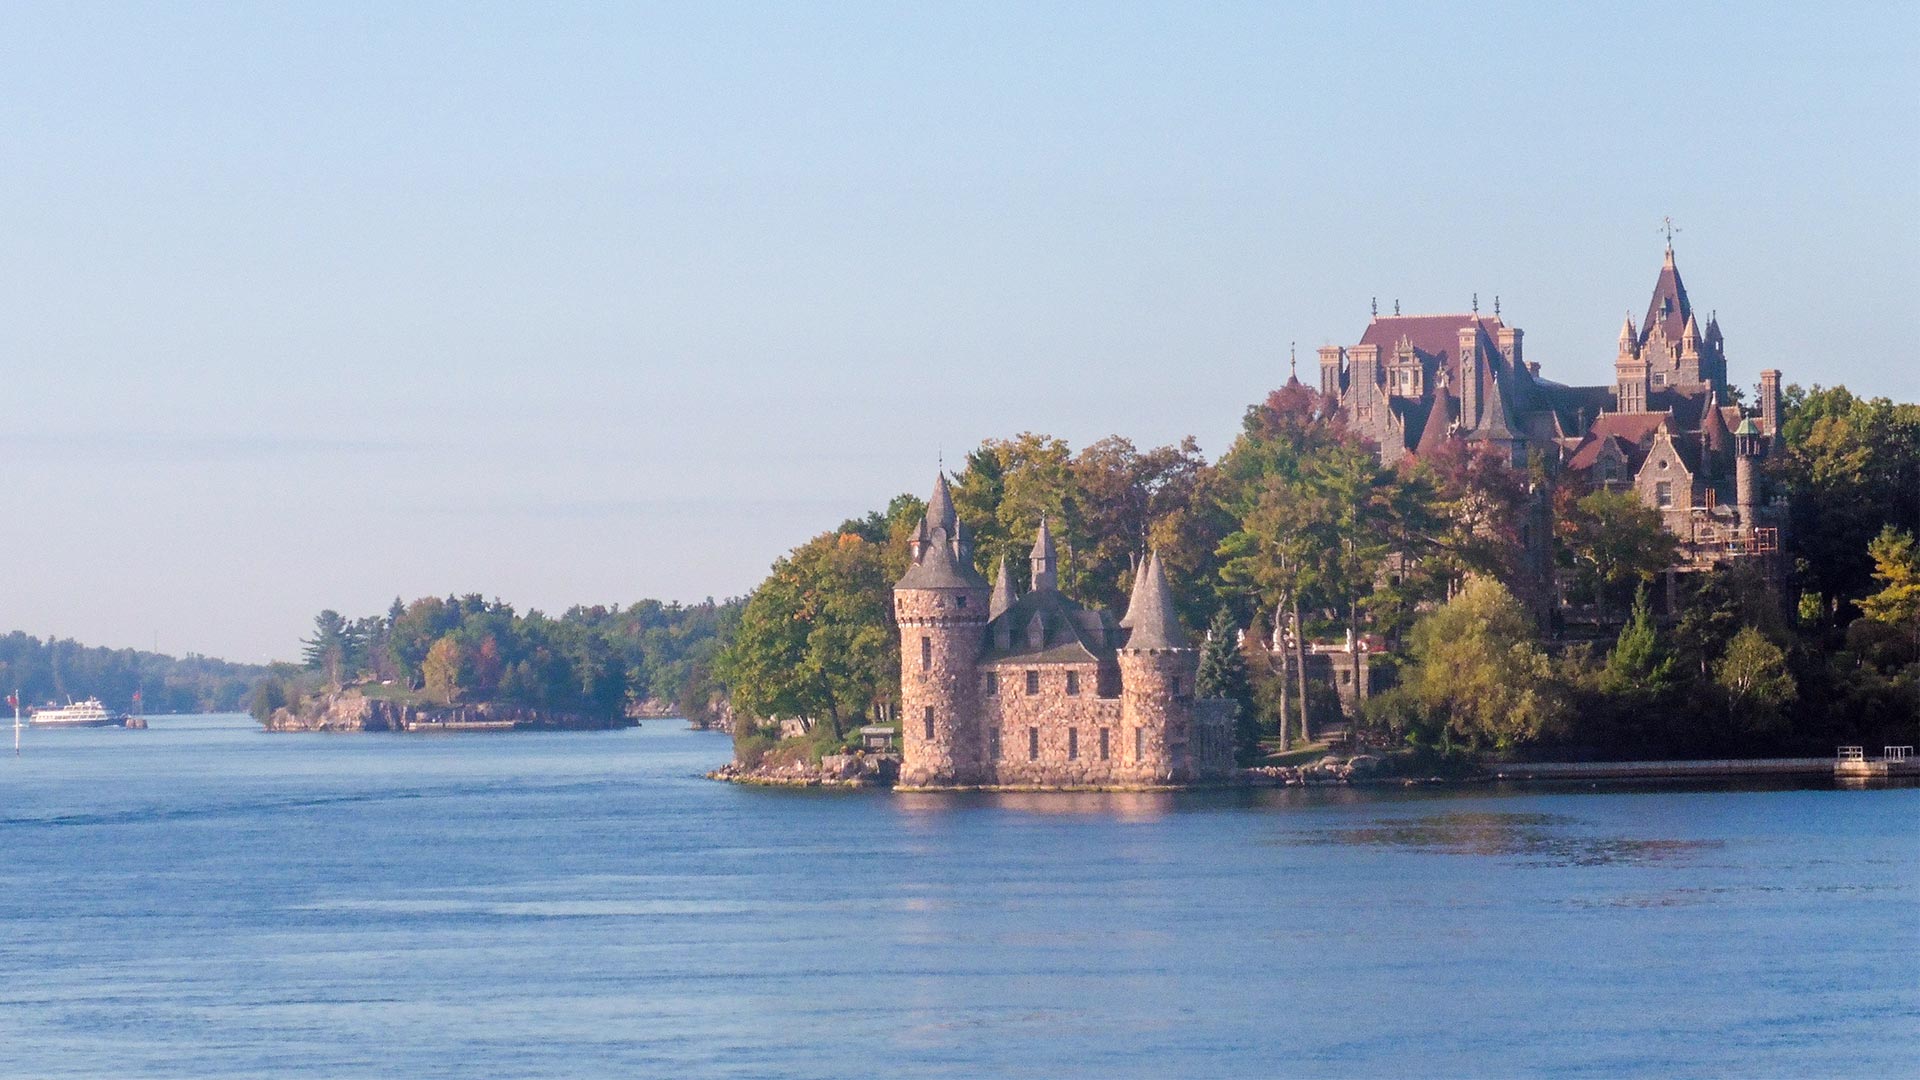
x=1666 y=428
x=998 y=690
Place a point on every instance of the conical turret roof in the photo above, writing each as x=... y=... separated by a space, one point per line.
x=1495 y=423
x=940 y=513
x=1439 y=425
x=1133 y=591
x=1713 y=425
x=1046 y=574
x=1150 y=614
x=943 y=555
x=1002 y=597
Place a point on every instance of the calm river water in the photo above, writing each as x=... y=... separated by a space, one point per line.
x=204 y=900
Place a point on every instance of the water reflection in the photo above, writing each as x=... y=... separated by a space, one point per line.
x=1542 y=839
x=1110 y=805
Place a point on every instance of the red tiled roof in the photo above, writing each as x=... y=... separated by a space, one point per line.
x=1435 y=337
x=1635 y=428
x=1588 y=454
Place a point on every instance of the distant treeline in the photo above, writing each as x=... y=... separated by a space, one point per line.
x=594 y=660
x=55 y=670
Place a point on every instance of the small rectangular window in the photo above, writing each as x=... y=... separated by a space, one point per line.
x=993 y=743
x=926 y=653
x=1073 y=682
x=929 y=721
x=1033 y=682
x=1103 y=744
x=960 y=601
x=1663 y=494
x=1073 y=744
x=1033 y=744
x=1139 y=744
x=993 y=684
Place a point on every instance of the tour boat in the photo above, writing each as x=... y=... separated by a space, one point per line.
x=88 y=713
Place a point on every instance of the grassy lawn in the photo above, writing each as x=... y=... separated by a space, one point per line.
x=396 y=692
x=1301 y=754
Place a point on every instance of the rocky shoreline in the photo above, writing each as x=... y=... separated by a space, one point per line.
x=883 y=771
x=353 y=712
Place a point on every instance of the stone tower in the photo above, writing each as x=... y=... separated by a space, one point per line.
x=1749 y=446
x=1157 y=669
x=1630 y=372
x=941 y=604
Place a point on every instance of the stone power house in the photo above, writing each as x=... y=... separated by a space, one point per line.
x=1037 y=691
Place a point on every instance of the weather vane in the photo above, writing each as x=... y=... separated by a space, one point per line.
x=1667 y=226
x=1293 y=362
x=1476 y=303
x=1496 y=305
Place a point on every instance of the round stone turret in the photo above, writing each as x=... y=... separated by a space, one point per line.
x=1158 y=667
x=941 y=606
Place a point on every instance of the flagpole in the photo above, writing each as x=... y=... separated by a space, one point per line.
x=16 y=723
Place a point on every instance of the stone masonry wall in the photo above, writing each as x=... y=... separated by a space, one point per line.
x=1155 y=709
x=941 y=676
x=1051 y=738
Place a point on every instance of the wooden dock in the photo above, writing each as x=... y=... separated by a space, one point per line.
x=1664 y=770
x=1850 y=762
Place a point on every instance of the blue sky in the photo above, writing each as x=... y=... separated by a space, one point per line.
x=316 y=305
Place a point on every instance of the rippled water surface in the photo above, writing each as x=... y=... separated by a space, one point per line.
x=204 y=900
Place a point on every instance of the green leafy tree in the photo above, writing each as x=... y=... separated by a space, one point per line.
x=1479 y=675
x=815 y=639
x=1850 y=467
x=1896 y=568
x=1753 y=673
x=1613 y=541
x=441 y=670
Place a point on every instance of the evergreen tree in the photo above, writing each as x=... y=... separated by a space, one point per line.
x=1223 y=674
x=1638 y=664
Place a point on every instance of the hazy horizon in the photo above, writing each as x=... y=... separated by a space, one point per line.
x=314 y=306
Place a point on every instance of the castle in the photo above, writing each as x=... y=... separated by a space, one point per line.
x=998 y=690
x=1665 y=429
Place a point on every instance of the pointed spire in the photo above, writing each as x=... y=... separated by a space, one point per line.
x=1628 y=333
x=1046 y=575
x=1002 y=597
x=1150 y=614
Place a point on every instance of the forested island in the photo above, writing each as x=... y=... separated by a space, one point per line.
x=465 y=661
x=125 y=680
x=1425 y=564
